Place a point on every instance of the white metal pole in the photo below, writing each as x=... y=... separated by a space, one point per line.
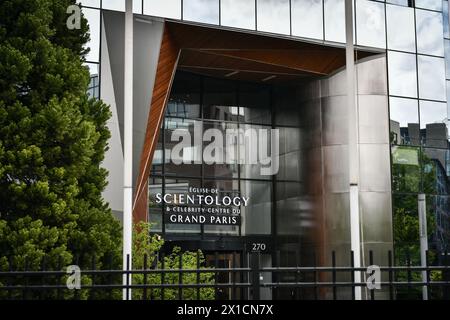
x=423 y=240
x=128 y=148
x=353 y=145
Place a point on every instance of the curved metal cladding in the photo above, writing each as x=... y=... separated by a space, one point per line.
x=374 y=154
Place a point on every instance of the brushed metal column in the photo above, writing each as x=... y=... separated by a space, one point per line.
x=128 y=148
x=353 y=158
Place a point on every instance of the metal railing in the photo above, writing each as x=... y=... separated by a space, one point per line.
x=253 y=281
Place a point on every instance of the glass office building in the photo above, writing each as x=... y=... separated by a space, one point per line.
x=280 y=65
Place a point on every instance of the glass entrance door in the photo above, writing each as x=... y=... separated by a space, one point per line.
x=227 y=260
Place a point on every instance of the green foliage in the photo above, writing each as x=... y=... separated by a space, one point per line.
x=52 y=142
x=146 y=245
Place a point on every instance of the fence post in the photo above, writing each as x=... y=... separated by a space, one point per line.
x=198 y=274
x=255 y=275
x=180 y=277
x=446 y=277
x=333 y=262
x=163 y=274
x=352 y=273
x=391 y=278
x=372 y=291
x=144 y=296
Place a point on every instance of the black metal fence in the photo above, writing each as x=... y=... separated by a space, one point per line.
x=252 y=281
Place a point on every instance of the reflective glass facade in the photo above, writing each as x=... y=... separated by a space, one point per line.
x=413 y=36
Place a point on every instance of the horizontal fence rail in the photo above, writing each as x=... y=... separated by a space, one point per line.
x=252 y=281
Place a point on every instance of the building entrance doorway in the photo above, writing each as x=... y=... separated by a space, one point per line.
x=228 y=260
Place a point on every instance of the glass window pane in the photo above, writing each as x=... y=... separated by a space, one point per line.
x=445 y=18
x=290 y=154
x=238 y=13
x=184 y=101
x=93 y=17
x=307 y=18
x=155 y=210
x=434 y=171
x=432 y=78
x=405 y=169
x=399 y=2
x=206 y=11
x=433 y=119
x=335 y=20
x=166 y=8
x=447 y=59
x=256 y=216
x=370 y=24
x=228 y=188
x=254 y=103
x=429 y=32
x=180 y=186
x=183 y=154
x=94 y=83
x=273 y=16
x=429 y=4
x=90 y=3
x=117 y=5
x=405 y=217
x=219 y=100
x=137 y=6
x=220 y=149
x=400 y=24
x=404 y=115
x=402 y=74
x=255 y=152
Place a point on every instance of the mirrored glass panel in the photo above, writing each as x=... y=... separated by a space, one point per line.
x=116 y=5
x=184 y=100
x=166 y=8
x=445 y=17
x=254 y=103
x=405 y=213
x=93 y=18
x=176 y=186
x=399 y=2
x=255 y=151
x=94 y=83
x=226 y=188
x=404 y=123
x=400 y=27
x=334 y=20
x=182 y=141
x=273 y=16
x=429 y=32
x=155 y=210
x=90 y=3
x=429 y=4
x=238 y=13
x=257 y=214
x=219 y=100
x=432 y=78
x=447 y=58
x=307 y=18
x=433 y=124
x=220 y=149
x=205 y=11
x=434 y=171
x=370 y=24
x=405 y=168
x=402 y=74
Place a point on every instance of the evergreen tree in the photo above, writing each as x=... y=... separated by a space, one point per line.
x=52 y=141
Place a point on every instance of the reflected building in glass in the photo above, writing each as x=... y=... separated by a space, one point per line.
x=215 y=72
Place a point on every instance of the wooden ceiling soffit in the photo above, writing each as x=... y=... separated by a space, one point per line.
x=197 y=59
x=167 y=65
